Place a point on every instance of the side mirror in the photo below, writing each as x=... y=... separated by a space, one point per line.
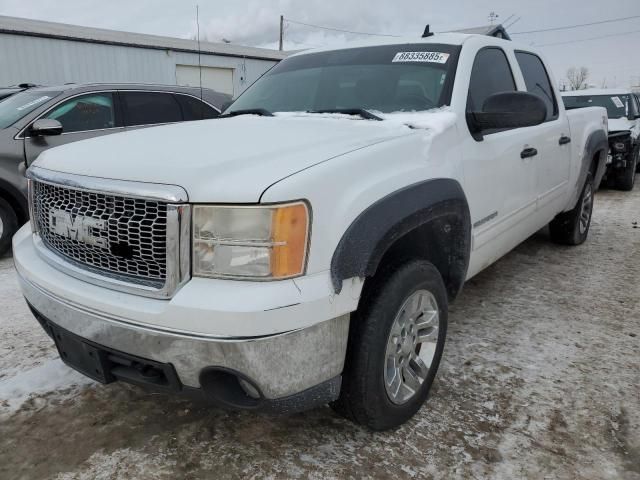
x=45 y=126
x=509 y=110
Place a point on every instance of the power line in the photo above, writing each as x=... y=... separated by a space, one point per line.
x=341 y=30
x=567 y=27
x=588 y=39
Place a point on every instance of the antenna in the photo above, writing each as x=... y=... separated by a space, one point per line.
x=199 y=60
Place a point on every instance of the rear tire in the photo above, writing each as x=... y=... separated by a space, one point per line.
x=8 y=225
x=626 y=179
x=387 y=375
x=572 y=228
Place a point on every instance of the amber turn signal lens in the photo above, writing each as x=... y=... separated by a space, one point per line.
x=290 y=225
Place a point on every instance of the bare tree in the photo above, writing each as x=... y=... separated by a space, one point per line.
x=577 y=78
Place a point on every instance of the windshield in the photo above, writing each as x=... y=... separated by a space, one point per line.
x=617 y=105
x=14 y=108
x=386 y=79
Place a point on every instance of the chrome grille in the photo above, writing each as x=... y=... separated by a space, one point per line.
x=132 y=235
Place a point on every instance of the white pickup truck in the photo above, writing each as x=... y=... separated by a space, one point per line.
x=303 y=248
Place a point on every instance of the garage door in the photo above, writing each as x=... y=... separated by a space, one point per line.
x=219 y=79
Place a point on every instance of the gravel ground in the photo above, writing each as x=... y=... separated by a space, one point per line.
x=540 y=379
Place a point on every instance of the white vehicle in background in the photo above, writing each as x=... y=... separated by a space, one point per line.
x=303 y=248
x=623 y=111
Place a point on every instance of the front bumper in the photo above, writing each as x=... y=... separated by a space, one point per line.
x=279 y=365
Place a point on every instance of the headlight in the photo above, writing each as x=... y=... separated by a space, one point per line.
x=619 y=146
x=261 y=242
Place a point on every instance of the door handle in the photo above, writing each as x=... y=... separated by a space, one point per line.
x=528 y=152
x=564 y=140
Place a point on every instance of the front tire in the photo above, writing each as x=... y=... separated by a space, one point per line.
x=572 y=228
x=8 y=225
x=395 y=345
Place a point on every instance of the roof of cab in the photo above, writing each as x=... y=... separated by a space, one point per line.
x=437 y=38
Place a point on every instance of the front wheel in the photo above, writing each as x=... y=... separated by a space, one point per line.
x=572 y=227
x=395 y=346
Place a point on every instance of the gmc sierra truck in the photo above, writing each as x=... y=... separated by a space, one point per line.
x=303 y=248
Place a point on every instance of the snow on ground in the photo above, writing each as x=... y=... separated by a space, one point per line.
x=50 y=376
x=540 y=379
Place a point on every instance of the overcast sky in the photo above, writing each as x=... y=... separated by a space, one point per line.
x=613 y=59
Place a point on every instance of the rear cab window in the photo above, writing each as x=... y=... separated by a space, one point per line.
x=537 y=81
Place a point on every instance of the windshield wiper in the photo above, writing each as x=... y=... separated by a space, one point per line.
x=249 y=111
x=361 y=112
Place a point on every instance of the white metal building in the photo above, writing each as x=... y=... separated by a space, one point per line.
x=49 y=53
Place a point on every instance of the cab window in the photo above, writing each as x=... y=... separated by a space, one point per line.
x=94 y=111
x=537 y=81
x=490 y=74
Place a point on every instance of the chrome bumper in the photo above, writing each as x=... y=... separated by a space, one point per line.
x=280 y=365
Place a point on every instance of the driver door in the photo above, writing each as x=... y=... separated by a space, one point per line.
x=82 y=116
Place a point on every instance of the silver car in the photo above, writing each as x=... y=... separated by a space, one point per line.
x=45 y=117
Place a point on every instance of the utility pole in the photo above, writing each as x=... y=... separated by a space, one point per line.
x=281 y=31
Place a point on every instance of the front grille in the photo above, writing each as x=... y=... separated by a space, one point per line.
x=115 y=235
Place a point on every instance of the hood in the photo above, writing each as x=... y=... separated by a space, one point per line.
x=222 y=160
x=621 y=124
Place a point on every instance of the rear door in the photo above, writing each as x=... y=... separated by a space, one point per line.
x=553 y=137
x=82 y=116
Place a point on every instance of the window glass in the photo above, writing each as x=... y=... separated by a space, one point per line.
x=87 y=112
x=537 y=81
x=194 y=109
x=490 y=74
x=382 y=78
x=148 y=108
x=617 y=106
x=21 y=104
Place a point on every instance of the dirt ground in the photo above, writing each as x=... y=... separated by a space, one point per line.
x=540 y=379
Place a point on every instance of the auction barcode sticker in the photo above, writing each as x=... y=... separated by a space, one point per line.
x=429 y=57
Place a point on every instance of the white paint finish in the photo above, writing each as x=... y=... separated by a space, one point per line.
x=215 y=78
x=221 y=160
x=216 y=308
x=341 y=166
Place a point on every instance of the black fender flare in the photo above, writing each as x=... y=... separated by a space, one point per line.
x=596 y=142
x=372 y=233
x=16 y=199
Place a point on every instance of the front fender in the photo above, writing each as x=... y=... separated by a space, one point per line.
x=364 y=243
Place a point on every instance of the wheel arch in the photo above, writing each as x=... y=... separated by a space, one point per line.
x=428 y=220
x=594 y=159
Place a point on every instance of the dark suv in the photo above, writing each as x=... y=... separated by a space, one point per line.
x=45 y=117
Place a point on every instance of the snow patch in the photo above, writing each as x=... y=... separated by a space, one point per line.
x=48 y=377
x=436 y=120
